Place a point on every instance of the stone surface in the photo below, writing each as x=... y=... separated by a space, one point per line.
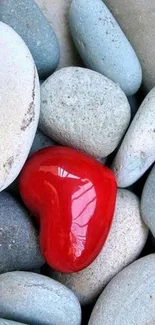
x=136 y=19
x=148 y=201
x=35 y=299
x=25 y=17
x=19 y=243
x=9 y=322
x=83 y=109
x=57 y=14
x=137 y=151
x=129 y=298
x=124 y=244
x=19 y=104
x=102 y=44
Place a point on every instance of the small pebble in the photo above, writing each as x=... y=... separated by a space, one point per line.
x=25 y=17
x=129 y=298
x=125 y=242
x=19 y=104
x=102 y=44
x=19 y=241
x=148 y=201
x=37 y=300
x=83 y=109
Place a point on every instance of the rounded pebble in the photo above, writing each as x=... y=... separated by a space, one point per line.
x=37 y=300
x=9 y=322
x=81 y=108
x=129 y=298
x=148 y=201
x=19 y=241
x=25 y=17
x=125 y=242
x=19 y=104
x=102 y=44
x=137 y=151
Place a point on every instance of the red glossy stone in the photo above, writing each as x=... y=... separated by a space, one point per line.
x=73 y=196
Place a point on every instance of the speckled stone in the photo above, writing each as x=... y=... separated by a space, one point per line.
x=57 y=14
x=19 y=242
x=83 y=109
x=125 y=242
x=25 y=17
x=19 y=104
x=102 y=44
x=137 y=151
x=148 y=201
x=37 y=300
x=9 y=322
x=136 y=18
x=129 y=298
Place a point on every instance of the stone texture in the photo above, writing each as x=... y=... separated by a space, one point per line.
x=83 y=109
x=37 y=300
x=9 y=322
x=25 y=17
x=57 y=13
x=19 y=242
x=19 y=104
x=129 y=298
x=137 y=151
x=125 y=242
x=102 y=44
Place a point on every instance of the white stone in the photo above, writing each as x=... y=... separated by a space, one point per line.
x=125 y=242
x=19 y=104
x=83 y=109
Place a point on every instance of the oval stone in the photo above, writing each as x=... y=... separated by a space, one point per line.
x=19 y=104
x=25 y=17
x=130 y=296
x=35 y=299
x=125 y=242
x=137 y=151
x=9 y=322
x=81 y=108
x=102 y=44
x=19 y=242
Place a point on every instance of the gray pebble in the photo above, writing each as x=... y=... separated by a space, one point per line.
x=19 y=242
x=37 y=300
x=83 y=109
x=102 y=44
x=129 y=298
x=25 y=17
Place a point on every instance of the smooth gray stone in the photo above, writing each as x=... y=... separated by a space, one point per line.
x=26 y=18
x=37 y=300
x=102 y=44
x=148 y=201
x=19 y=243
x=9 y=322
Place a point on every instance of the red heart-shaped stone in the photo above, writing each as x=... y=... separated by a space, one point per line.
x=73 y=196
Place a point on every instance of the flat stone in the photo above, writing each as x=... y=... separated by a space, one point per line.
x=102 y=44
x=125 y=242
x=19 y=104
x=129 y=298
x=37 y=300
x=136 y=19
x=57 y=13
x=19 y=239
x=137 y=151
x=83 y=109
x=25 y=17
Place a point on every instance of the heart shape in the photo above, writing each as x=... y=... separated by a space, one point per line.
x=73 y=197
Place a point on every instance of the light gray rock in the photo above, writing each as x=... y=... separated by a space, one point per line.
x=19 y=104
x=19 y=242
x=148 y=201
x=81 y=108
x=136 y=19
x=137 y=151
x=130 y=296
x=102 y=44
x=37 y=300
x=125 y=242
x=9 y=322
